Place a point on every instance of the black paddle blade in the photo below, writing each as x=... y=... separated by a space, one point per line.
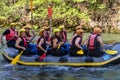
x=89 y=59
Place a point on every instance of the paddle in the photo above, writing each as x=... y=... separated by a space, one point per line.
x=58 y=46
x=42 y=57
x=112 y=52
x=15 y=60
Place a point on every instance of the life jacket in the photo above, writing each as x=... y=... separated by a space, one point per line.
x=43 y=44
x=58 y=40
x=73 y=41
x=23 y=43
x=64 y=36
x=93 y=44
x=11 y=34
x=47 y=37
x=28 y=34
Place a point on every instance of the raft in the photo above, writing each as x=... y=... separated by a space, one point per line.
x=106 y=59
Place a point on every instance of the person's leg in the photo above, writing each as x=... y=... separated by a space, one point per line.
x=11 y=44
x=66 y=46
x=33 y=48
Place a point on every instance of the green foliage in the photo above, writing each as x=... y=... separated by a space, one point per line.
x=67 y=12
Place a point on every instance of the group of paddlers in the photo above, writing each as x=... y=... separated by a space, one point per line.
x=55 y=45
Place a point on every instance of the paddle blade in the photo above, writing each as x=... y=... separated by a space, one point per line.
x=42 y=57
x=58 y=46
x=80 y=52
x=16 y=59
x=112 y=52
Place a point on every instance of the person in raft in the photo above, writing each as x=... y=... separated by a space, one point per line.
x=11 y=35
x=77 y=43
x=47 y=37
x=27 y=27
x=47 y=29
x=95 y=43
x=30 y=37
x=21 y=43
x=63 y=35
x=56 y=44
x=41 y=42
x=75 y=34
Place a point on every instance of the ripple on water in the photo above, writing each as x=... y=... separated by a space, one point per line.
x=19 y=72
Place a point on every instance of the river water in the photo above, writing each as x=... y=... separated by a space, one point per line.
x=20 y=72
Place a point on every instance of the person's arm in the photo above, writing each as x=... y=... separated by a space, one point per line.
x=40 y=43
x=55 y=45
x=77 y=43
x=99 y=39
x=17 y=44
x=4 y=33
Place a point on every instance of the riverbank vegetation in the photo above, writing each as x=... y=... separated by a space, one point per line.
x=71 y=13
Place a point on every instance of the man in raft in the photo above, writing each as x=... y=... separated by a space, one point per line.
x=95 y=43
x=76 y=44
x=27 y=27
x=11 y=35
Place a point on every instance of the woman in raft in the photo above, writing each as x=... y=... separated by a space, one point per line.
x=30 y=37
x=57 y=44
x=41 y=43
x=76 y=44
x=95 y=43
x=21 y=43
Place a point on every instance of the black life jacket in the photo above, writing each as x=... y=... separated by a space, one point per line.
x=93 y=44
x=73 y=41
x=23 y=43
x=64 y=36
x=58 y=40
x=43 y=44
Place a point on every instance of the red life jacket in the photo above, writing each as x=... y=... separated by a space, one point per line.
x=25 y=41
x=47 y=37
x=92 y=43
x=11 y=34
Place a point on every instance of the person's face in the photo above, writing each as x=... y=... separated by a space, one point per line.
x=48 y=31
x=63 y=29
x=44 y=33
x=57 y=33
x=23 y=34
x=27 y=29
x=82 y=34
x=13 y=27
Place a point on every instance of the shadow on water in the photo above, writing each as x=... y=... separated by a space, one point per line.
x=20 y=72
